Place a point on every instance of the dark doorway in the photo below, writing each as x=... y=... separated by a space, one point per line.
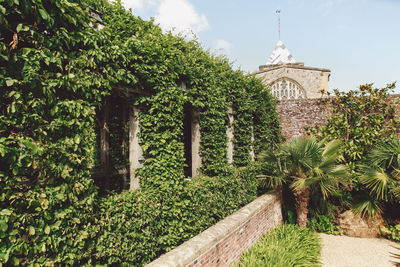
x=187 y=139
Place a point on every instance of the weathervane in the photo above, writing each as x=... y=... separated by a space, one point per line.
x=278 y=11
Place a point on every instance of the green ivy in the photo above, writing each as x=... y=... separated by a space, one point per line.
x=136 y=228
x=55 y=72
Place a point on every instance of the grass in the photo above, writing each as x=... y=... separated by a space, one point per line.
x=285 y=246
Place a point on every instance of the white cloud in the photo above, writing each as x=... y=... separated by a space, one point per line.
x=138 y=4
x=222 y=46
x=134 y=4
x=181 y=17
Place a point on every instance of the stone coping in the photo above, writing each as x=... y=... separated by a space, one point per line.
x=190 y=250
x=267 y=68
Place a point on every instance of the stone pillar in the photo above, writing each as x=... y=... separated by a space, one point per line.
x=124 y=145
x=135 y=151
x=252 y=154
x=195 y=129
x=104 y=143
x=229 y=134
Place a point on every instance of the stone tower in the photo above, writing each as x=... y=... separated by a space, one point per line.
x=289 y=79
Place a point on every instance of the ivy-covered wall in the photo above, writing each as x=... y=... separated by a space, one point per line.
x=56 y=71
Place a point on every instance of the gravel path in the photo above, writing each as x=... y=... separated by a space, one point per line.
x=344 y=251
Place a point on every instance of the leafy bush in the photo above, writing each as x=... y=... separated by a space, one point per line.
x=137 y=227
x=56 y=70
x=362 y=119
x=46 y=193
x=285 y=246
x=324 y=224
x=392 y=233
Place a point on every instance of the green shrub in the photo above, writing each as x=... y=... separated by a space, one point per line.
x=285 y=246
x=46 y=194
x=392 y=233
x=137 y=227
x=364 y=120
x=55 y=72
x=324 y=224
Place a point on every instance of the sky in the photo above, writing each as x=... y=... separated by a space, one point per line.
x=358 y=40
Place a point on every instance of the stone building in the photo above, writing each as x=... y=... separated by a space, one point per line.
x=289 y=79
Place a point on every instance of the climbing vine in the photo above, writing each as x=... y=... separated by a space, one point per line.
x=56 y=70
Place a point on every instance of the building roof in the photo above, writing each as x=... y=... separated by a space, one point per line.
x=280 y=55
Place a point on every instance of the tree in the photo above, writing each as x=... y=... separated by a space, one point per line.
x=360 y=119
x=304 y=164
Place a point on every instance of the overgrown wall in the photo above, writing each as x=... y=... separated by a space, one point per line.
x=223 y=243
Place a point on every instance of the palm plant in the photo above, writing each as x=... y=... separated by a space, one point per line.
x=396 y=258
x=380 y=174
x=304 y=163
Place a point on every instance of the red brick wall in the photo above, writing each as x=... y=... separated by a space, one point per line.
x=296 y=114
x=228 y=251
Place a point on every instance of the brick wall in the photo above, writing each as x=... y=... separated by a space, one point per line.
x=296 y=114
x=223 y=243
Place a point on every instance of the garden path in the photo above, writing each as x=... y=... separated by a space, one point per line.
x=344 y=251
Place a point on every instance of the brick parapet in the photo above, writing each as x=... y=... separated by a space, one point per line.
x=223 y=243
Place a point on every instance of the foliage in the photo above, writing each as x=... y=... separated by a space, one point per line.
x=135 y=228
x=360 y=119
x=305 y=164
x=392 y=233
x=287 y=245
x=47 y=136
x=397 y=258
x=46 y=196
x=56 y=71
x=324 y=224
x=379 y=173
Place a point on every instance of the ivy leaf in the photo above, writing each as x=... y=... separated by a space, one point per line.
x=3 y=226
x=5 y=212
x=10 y=82
x=31 y=230
x=14 y=261
x=44 y=14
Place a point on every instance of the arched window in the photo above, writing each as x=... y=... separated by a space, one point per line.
x=285 y=88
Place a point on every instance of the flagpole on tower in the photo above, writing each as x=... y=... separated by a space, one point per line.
x=278 y=11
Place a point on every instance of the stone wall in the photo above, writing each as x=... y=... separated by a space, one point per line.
x=296 y=114
x=223 y=243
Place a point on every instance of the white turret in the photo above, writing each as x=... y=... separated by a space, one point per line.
x=280 y=55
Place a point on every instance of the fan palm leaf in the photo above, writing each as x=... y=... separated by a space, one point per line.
x=376 y=180
x=380 y=175
x=367 y=207
x=307 y=163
